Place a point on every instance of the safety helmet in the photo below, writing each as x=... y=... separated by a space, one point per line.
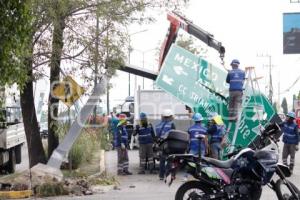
x=167 y=113
x=235 y=62
x=212 y=115
x=143 y=116
x=291 y=114
x=197 y=117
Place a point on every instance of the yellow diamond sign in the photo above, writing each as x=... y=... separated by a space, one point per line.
x=68 y=91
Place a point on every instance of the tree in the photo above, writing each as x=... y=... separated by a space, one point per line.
x=102 y=50
x=14 y=34
x=189 y=44
x=275 y=106
x=15 y=61
x=284 y=106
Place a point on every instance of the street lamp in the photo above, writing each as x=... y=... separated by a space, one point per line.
x=129 y=51
x=143 y=60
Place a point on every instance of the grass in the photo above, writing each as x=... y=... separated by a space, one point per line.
x=104 y=180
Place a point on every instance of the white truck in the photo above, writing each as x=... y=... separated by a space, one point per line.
x=12 y=134
x=153 y=102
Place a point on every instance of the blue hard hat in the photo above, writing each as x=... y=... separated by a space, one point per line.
x=291 y=114
x=235 y=62
x=143 y=115
x=197 y=117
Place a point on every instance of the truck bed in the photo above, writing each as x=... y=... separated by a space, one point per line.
x=12 y=136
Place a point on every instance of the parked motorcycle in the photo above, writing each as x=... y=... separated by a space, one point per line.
x=242 y=176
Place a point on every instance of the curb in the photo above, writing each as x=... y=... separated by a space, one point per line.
x=16 y=194
x=102 y=161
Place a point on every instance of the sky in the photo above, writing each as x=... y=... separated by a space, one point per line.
x=251 y=31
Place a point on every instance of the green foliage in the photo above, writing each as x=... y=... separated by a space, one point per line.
x=85 y=146
x=189 y=43
x=50 y=189
x=14 y=36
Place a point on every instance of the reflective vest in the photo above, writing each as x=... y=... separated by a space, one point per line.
x=218 y=133
x=122 y=136
x=145 y=134
x=163 y=127
x=236 y=78
x=195 y=130
x=290 y=133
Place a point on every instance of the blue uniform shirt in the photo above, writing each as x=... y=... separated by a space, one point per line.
x=163 y=127
x=290 y=133
x=235 y=78
x=194 y=142
x=146 y=134
x=122 y=136
x=216 y=132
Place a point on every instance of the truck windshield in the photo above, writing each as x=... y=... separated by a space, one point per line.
x=11 y=115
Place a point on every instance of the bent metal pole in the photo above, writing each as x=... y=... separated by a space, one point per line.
x=64 y=147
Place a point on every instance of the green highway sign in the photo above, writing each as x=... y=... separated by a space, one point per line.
x=201 y=86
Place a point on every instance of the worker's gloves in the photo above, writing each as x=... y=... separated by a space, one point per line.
x=297 y=147
x=123 y=146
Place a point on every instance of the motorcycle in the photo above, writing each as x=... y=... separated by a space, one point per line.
x=242 y=176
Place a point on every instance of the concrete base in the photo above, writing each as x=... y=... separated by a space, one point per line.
x=42 y=170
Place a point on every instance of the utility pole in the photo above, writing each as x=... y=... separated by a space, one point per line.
x=96 y=64
x=129 y=52
x=270 y=95
x=270 y=80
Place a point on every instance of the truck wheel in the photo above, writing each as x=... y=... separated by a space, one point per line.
x=11 y=167
x=18 y=151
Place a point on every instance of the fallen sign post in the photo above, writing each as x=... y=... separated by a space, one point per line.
x=64 y=147
x=201 y=86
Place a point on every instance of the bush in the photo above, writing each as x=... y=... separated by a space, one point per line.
x=86 y=144
x=50 y=189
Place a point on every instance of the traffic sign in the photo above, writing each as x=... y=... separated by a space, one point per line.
x=68 y=91
x=201 y=86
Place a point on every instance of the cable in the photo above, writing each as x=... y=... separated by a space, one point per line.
x=288 y=89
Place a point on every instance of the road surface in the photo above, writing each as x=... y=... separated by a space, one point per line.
x=149 y=187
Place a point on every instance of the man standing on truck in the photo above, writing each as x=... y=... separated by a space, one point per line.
x=290 y=139
x=194 y=131
x=146 y=137
x=162 y=128
x=121 y=145
x=235 y=78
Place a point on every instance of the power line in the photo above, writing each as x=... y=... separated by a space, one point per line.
x=294 y=83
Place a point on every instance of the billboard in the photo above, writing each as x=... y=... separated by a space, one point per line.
x=291 y=33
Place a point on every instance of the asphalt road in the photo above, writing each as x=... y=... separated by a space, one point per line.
x=149 y=187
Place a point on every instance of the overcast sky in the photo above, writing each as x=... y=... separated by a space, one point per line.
x=247 y=29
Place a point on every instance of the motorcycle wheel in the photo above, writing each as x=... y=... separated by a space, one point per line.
x=283 y=192
x=192 y=190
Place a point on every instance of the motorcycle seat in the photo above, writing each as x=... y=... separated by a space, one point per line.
x=219 y=163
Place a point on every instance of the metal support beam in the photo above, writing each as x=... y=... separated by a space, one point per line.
x=64 y=147
x=139 y=71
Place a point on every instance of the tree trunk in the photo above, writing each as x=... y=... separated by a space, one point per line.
x=57 y=47
x=35 y=148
